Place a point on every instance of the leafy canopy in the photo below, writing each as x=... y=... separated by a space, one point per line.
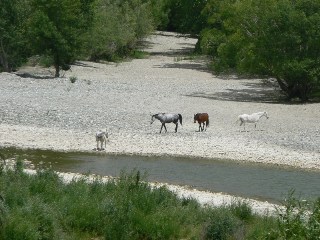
x=56 y=26
x=274 y=38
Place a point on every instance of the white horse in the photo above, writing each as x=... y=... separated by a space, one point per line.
x=167 y=118
x=101 y=137
x=253 y=118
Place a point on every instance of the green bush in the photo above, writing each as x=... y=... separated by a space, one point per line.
x=242 y=210
x=221 y=225
x=41 y=206
x=117 y=28
x=300 y=219
x=270 y=38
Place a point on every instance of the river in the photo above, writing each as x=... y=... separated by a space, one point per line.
x=255 y=181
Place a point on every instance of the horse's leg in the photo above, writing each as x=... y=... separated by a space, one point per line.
x=176 y=126
x=244 y=125
x=161 y=127
x=199 y=126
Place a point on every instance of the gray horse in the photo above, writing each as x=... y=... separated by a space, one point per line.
x=167 y=118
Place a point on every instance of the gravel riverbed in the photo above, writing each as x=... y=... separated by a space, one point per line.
x=39 y=111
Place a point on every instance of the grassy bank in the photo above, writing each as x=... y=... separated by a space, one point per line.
x=42 y=206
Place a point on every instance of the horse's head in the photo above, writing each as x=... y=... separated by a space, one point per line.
x=265 y=114
x=153 y=118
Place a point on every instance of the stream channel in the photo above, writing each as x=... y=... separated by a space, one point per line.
x=257 y=181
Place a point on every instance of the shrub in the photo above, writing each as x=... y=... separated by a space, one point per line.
x=73 y=79
x=242 y=210
x=221 y=225
x=299 y=219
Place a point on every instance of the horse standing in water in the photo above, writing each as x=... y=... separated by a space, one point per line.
x=167 y=118
x=253 y=118
x=202 y=118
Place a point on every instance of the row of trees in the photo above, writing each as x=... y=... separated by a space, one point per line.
x=268 y=38
x=65 y=30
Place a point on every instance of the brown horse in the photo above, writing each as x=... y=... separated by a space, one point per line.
x=202 y=118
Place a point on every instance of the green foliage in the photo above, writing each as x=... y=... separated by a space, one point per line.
x=160 y=10
x=73 y=79
x=185 y=16
x=117 y=28
x=42 y=206
x=274 y=38
x=139 y=54
x=299 y=219
x=14 y=48
x=63 y=31
x=55 y=29
x=242 y=210
x=221 y=225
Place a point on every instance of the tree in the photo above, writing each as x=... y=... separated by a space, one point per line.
x=274 y=38
x=117 y=27
x=185 y=16
x=56 y=28
x=13 y=45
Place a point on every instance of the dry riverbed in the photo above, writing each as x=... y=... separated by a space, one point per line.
x=39 y=111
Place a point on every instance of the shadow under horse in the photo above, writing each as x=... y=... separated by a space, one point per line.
x=167 y=118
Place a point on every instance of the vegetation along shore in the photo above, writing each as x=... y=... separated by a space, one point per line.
x=71 y=68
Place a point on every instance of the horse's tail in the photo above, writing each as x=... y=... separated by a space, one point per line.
x=207 y=122
x=180 y=118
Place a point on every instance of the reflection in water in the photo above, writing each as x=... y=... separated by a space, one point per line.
x=247 y=180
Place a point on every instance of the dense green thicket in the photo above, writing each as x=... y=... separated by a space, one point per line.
x=273 y=38
x=66 y=30
x=117 y=27
x=185 y=16
x=55 y=28
x=13 y=44
x=41 y=206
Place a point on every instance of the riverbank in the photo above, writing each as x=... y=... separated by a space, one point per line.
x=205 y=198
x=39 y=111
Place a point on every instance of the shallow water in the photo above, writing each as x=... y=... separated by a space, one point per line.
x=247 y=180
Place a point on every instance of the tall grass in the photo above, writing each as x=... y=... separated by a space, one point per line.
x=42 y=206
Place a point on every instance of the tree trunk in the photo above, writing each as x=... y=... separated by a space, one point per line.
x=57 y=67
x=295 y=90
x=4 y=59
x=56 y=62
x=284 y=86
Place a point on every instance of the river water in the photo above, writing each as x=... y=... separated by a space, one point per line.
x=247 y=180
